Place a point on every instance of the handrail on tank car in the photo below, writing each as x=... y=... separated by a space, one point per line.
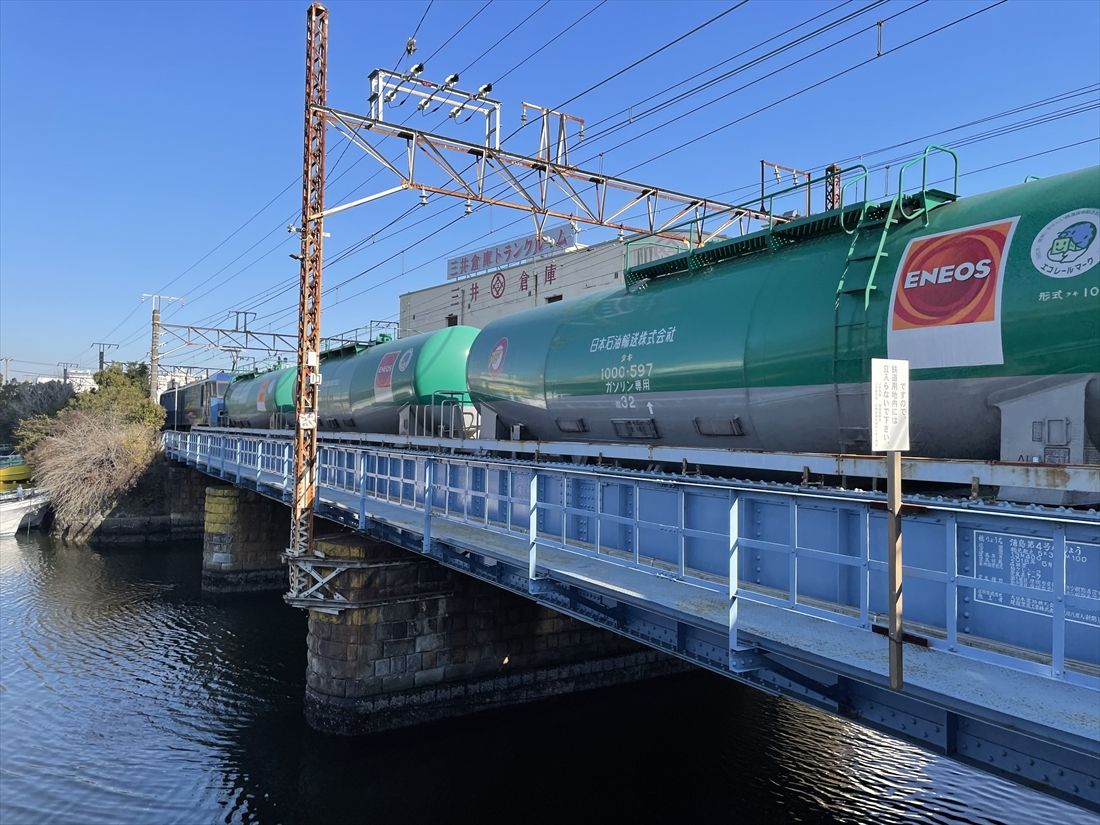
x=862 y=176
x=922 y=158
x=450 y=420
x=771 y=225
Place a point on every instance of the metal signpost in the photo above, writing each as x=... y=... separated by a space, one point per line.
x=890 y=434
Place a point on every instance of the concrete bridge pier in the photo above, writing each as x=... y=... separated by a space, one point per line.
x=243 y=541
x=424 y=643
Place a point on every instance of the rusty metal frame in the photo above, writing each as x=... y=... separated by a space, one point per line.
x=586 y=190
x=240 y=340
x=187 y=335
x=799 y=176
x=307 y=387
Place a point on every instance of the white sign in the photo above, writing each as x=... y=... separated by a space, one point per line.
x=513 y=251
x=889 y=405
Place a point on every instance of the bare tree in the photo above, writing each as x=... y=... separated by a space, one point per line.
x=88 y=460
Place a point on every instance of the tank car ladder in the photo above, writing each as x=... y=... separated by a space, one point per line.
x=853 y=297
x=865 y=253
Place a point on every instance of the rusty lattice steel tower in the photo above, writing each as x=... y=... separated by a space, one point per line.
x=309 y=300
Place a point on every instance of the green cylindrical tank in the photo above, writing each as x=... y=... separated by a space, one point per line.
x=364 y=390
x=764 y=342
x=264 y=400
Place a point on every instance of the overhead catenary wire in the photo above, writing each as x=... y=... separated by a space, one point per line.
x=620 y=71
x=296 y=181
x=652 y=54
x=547 y=43
x=908 y=43
x=485 y=52
x=656 y=51
x=446 y=301
x=816 y=85
x=894 y=50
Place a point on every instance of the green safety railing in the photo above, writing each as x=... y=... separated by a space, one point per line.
x=922 y=159
x=693 y=239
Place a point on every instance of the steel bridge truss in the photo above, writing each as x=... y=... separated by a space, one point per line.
x=246 y=340
x=593 y=197
x=779 y=586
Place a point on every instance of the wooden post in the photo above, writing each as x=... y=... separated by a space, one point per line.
x=894 y=561
x=890 y=434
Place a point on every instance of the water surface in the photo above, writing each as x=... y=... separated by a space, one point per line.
x=128 y=697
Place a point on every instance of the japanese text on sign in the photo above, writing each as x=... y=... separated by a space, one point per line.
x=889 y=404
x=513 y=251
x=1027 y=561
x=641 y=338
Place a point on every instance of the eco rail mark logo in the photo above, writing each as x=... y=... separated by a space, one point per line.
x=946 y=301
x=1068 y=246
x=496 y=356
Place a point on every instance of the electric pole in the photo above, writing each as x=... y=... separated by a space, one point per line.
x=7 y=363
x=65 y=365
x=238 y=315
x=102 y=349
x=154 y=347
x=309 y=299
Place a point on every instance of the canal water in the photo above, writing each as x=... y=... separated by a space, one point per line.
x=128 y=697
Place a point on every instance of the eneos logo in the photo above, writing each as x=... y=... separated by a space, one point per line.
x=383 y=377
x=946 y=303
x=261 y=394
x=496 y=356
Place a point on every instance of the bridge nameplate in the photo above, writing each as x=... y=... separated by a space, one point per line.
x=1027 y=561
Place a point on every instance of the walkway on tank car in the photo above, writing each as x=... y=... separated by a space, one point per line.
x=1002 y=601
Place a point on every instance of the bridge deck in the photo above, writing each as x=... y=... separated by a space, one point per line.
x=1004 y=678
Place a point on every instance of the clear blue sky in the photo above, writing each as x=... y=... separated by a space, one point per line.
x=135 y=137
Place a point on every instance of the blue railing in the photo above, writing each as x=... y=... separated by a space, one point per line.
x=1016 y=586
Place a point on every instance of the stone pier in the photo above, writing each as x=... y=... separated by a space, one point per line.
x=427 y=643
x=245 y=536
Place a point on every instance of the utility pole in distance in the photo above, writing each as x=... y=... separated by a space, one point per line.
x=103 y=347
x=65 y=366
x=154 y=346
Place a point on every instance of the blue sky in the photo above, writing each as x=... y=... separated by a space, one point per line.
x=135 y=137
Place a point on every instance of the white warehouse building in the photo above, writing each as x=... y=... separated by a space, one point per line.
x=500 y=290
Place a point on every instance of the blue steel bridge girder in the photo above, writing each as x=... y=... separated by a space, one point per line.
x=1004 y=672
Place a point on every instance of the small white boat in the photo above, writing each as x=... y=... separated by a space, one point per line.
x=22 y=509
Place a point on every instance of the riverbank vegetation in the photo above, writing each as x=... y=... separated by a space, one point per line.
x=20 y=400
x=90 y=453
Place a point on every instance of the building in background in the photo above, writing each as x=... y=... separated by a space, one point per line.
x=81 y=380
x=515 y=281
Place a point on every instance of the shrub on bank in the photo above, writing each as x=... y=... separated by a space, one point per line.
x=91 y=453
x=89 y=459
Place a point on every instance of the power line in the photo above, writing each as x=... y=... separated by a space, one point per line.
x=549 y=42
x=459 y=31
x=705 y=135
x=653 y=53
x=635 y=117
x=437 y=51
x=812 y=86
